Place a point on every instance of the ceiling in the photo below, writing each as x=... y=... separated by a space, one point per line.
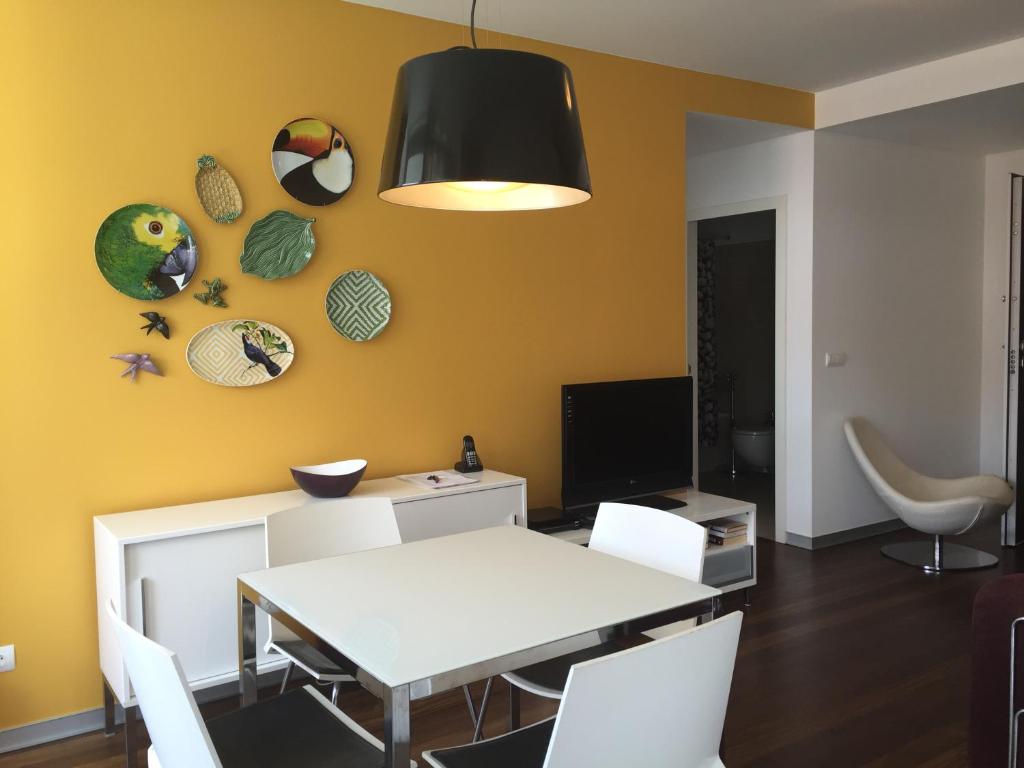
x=811 y=45
x=713 y=133
x=979 y=124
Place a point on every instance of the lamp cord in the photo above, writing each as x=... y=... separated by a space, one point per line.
x=472 y=23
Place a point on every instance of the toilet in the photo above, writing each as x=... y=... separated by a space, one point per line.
x=755 y=446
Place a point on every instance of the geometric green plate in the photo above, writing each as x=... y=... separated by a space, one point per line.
x=358 y=305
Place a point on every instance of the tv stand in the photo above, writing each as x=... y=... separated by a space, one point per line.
x=585 y=514
x=665 y=503
x=729 y=567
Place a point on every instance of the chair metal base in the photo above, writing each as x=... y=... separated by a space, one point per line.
x=938 y=557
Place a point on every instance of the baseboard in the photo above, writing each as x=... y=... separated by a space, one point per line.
x=43 y=731
x=65 y=726
x=843 y=537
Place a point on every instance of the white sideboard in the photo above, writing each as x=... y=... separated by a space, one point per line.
x=171 y=571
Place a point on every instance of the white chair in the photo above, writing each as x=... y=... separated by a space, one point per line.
x=641 y=535
x=313 y=531
x=936 y=506
x=299 y=729
x=659 y=705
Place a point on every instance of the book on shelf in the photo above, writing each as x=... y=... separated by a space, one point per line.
x=726 y=540
x=725 y=527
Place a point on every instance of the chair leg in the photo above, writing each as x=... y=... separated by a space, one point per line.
x=287 y=675
x=936 y=556
x=470 y=706
x=478 y=732
x=131 y=747
x=108 y=710
x=335 y=690
x=513 y=707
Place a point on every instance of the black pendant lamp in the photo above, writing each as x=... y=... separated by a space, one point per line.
x=484 y=130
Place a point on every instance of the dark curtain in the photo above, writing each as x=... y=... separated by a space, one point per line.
x=707 y=345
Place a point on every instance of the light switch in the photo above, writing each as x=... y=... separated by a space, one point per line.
x=835 y=359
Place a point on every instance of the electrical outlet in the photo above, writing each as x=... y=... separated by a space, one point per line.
x=6 y=658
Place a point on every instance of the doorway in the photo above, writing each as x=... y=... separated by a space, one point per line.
x=744 y=245
x=735 y=419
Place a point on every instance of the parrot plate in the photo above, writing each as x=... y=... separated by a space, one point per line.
x=146 y=251
x=240 y=353
x=313 y=161
x=358 y=305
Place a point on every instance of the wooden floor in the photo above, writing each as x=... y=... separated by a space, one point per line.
x=846 y=659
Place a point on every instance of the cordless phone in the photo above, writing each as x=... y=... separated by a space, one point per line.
x=470 y=460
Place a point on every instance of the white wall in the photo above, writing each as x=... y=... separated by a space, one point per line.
x=995 y=318
x=982 y=69
x=897 y=286
x=778 y=168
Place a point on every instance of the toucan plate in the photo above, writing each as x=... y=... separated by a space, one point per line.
x=313 y=161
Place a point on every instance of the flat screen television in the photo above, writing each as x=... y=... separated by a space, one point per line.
x=625 y=439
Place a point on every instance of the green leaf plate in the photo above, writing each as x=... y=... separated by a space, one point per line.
x=278 y=245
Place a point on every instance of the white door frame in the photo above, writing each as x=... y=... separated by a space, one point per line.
x=777 y=204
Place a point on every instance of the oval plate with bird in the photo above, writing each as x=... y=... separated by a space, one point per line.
x=146 y=251
x=313 y=161
x=240 y=353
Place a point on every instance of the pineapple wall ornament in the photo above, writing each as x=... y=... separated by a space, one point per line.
x=218 y=193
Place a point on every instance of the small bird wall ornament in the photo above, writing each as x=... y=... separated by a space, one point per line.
x=157 y=322
x=137 y=361
x=212 y=295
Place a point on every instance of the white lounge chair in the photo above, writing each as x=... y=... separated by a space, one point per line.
x=936 y=506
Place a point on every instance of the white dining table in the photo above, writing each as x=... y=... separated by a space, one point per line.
x=416 y=619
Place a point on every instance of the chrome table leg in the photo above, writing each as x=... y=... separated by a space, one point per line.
x=246 y=650
x=396 y=727
x=513 y=707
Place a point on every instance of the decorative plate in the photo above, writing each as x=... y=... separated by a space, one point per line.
x=312 y=161
x=278 y=245
x=239 y=353
x=146 y=251
x=358 y=305
x=218 y=193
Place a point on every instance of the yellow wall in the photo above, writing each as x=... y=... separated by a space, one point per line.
x=107 y=103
